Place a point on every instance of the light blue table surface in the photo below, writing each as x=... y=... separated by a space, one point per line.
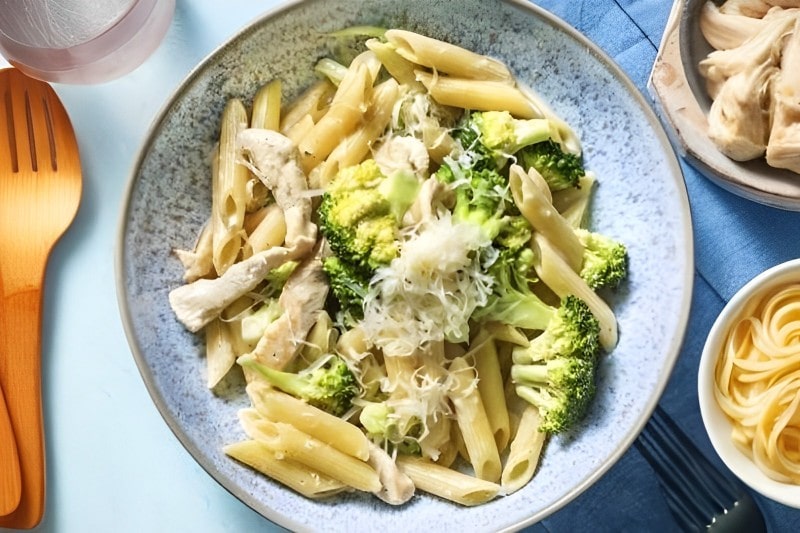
x=113 y=464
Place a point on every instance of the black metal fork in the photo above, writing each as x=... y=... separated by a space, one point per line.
x=700 y=497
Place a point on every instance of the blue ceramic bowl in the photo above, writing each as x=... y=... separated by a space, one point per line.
x=641 y=200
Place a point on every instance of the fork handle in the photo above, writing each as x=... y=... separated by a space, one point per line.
x=10 y=482
x=20 y=372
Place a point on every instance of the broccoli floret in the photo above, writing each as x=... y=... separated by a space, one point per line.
x=556 y=371
x=572 y=332
x=359 y=216
x=482 y=195
x=330 y=386
x=562 y=388
x=561 y=170
x=349 y=286
x=383 y=426
x=605 y=260
x=360 y=211
x=512 y=301
x=493 y=137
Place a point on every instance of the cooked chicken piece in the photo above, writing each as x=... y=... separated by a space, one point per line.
x=274 y=159
x=747 y=8
x=302 y=298
x=431 y=192
x=403 y=153
x=783 y=150
x=784 y=3
x=761 y=50
x=397 y=488
x=738 y=121
x=724 y=31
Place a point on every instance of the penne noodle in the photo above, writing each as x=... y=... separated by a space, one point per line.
x=229 y=194
x=491 y=387
x=524 y=452
x=278 y=406
x=343 y=116
x=448 y=58
x=355 y=147
x=330 y=69
x=561 y=279
x=267 y=107
x=573 y=202
x=396 y=65
x=288 y=441
x=220 y=351
x=449 y=452
x=271 y=231
x=296 y=476
x=312 y=103
x=473 y=422
x=447 y=483
x=477 y=95
x=537 y=208
x=297 y=131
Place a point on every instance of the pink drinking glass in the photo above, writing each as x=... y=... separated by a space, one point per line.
x=81 y=41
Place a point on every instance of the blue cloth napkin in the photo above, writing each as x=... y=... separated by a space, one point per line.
x=735 y=239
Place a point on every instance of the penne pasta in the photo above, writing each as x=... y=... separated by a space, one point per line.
x=491 y=387
x=355 y=147
x=288 y=441
x=473 y=422
x=271 y=231
x=220 y=351
x=447 y=483
x=281 y=407
x=266 y=113
x=228 y=189
x=396 y=65
x=343 y=116
x=320 y=339
x=524 y=452
x=478 y=95
x=296 y=476
x=553 y=271
x=448 y=58
x=312 y=103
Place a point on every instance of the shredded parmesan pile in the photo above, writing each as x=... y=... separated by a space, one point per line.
x=429 y=291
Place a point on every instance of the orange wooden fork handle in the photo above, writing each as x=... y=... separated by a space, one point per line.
x=20 y=370
x=10 y=482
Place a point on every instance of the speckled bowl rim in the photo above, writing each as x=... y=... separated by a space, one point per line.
x=717 y=424
x=672 y=350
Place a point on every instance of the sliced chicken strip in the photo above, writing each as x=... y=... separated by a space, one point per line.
x=274 y=159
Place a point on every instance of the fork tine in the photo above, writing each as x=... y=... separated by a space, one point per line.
x=8 y=148
x=696 y=491
x=39 y=127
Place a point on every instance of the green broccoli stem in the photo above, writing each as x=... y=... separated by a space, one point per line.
x=288 y=382
x=529 y=375
x=527 y=132
x=533 y=396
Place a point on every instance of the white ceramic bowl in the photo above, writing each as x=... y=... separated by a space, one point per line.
x=641 y=200
x=681 y=100
x=717 y=424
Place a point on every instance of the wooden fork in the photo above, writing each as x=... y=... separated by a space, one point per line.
x=10 y=483
x=40 y=189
